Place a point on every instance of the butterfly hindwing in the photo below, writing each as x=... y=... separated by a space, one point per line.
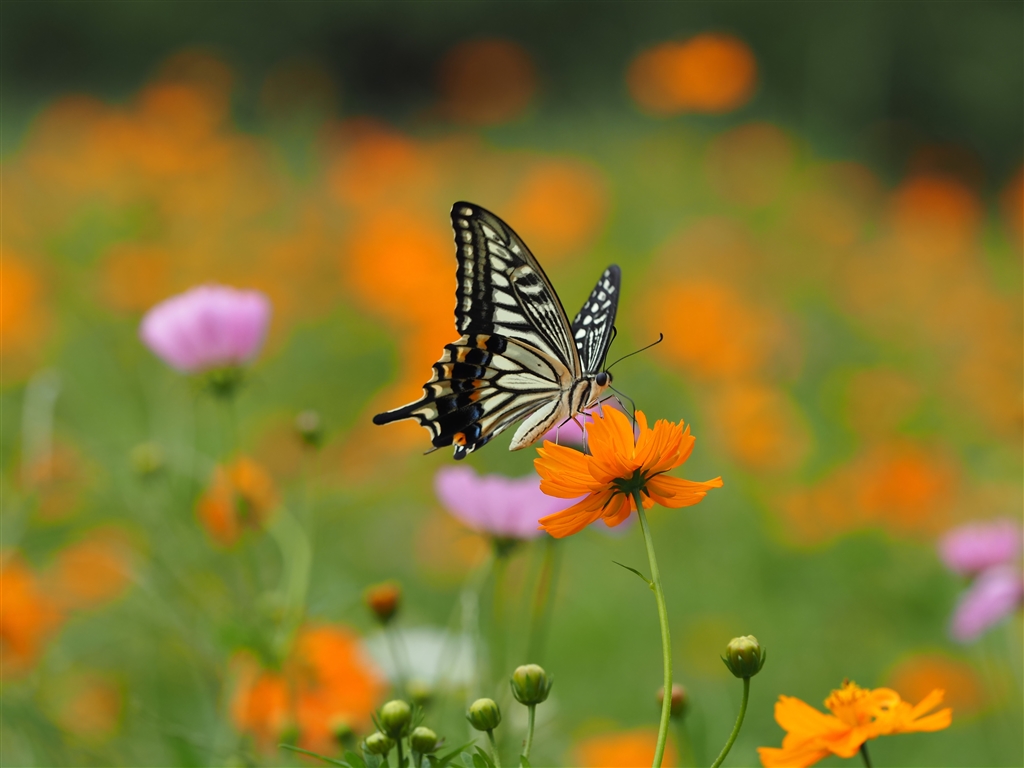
x=594 y=326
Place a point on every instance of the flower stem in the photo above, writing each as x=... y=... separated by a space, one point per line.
x=494 y=749
x=529 y=730
x=543 y=600
x=666 y=643
x=498 y=617
x=864 y=754
x=739 y=724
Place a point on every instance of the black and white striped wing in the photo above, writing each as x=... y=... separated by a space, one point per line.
x=503 y=290
x=594 y=326
x=482 y=385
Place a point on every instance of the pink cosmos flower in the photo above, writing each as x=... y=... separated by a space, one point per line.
x=995 y=594
x=210 y=326
x=971 y=548
x=502 y=507
x=571 y=432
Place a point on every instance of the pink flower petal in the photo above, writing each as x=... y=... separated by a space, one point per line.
x=995 y=594
x=972 y=548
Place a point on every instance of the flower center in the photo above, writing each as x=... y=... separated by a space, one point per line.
x=627 y=485
x=849 y=704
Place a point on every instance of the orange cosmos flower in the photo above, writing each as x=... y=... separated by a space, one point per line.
x=617 y=465
x=857 y=715
x=240 y=495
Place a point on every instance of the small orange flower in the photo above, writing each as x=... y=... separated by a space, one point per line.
x=857 y=715
x=28 y=616
x=617 y=464
x=327 y=679
x=241 y=495
x=620 y=749
x=383 y=600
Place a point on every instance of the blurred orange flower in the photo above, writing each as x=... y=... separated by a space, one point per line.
x=618 y=464
x=623 y=749
x=88 y=705
x=751 y=165
x=710 y=73
x=761 y=427
x=559 y=207
x=858 y=715
x=935 y=218
x=446 y=551
x=1011 y=200
x=921 y=673
x=24 y=319
x=327 y=679
x=135 y=276
x=241 y=495
x=879 y=400
x=59 y=479
x=92 y=570
x=486 y=82
x=28 y=615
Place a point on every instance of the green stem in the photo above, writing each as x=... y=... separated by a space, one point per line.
x=399 y=742
x=401 y=678
x=864 y=754
x=543 y=601
x=666 y=643
x=739 y=724
x=529 y=730
x=498 y=617
x=494 y=749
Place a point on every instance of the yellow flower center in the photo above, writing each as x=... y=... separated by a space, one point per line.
x=850 y=704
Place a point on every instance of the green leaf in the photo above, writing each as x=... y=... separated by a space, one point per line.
x=479 y=762
x=354 y=759
x=524 y=763
x=487 y=759
x=646 y=581
x=326 y=759
x=444 y=760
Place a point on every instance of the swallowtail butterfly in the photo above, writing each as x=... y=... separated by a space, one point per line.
x=518 y=356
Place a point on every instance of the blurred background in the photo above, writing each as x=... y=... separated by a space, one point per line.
x=819 y=205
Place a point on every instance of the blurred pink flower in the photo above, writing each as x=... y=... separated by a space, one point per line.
x=972 y=548
x=502 y=507
x=210 y=326
x=571 y=432
x=995 y=594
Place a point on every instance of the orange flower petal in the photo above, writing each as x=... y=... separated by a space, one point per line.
x=575 y=518
x=800 y=756
x=675 y=492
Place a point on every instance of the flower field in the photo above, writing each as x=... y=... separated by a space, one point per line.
x=226 y=246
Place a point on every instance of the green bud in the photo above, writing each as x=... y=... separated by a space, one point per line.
x=423 y=740
x=378 y=744
x=310 y=427
x=420 y=692
x=342 y=731
x=484 y=714
x=147 y=459
x=680 y=701
x=224 y=382
x=531 y=684
x=744 y=656
x=394 y=717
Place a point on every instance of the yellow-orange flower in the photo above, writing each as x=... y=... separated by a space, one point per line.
x=28 y=616
x=240 y=495
x=621 y=749
x=327 y=680
x=858 y=714
x=617 y=463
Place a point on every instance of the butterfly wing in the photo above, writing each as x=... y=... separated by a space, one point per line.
x=516 y=358
x=594 y=326
x=502 y=289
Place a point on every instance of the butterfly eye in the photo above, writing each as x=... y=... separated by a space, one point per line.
x=603 y=379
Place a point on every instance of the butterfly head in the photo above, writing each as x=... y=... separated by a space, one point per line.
x=603 y=380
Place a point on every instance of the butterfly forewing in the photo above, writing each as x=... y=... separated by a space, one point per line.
x=502 y=289
x=594 y=326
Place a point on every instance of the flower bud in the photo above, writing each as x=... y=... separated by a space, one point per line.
x=378 y=744
x=310 y=427
x=423 y=740
x=420 y=692
x=744 y=656
x=343 y=734
x=394 y=717
x=147 y=459
x=383 y=600
x=224 y=382
x=530 y=684
x=484 y=714
x=680 y=701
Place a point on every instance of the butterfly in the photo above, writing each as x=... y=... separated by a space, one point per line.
x=518 y=356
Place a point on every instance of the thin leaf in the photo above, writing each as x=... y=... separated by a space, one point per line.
x=485 y=756
x=479 y=762
x=326 y=759
x=647 y=581
x=524 y=763
x=354 y=759
x=444 y=760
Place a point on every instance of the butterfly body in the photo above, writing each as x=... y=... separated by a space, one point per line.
x=518 y=358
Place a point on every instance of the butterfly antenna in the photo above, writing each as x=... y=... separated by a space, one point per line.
x=661 y=338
